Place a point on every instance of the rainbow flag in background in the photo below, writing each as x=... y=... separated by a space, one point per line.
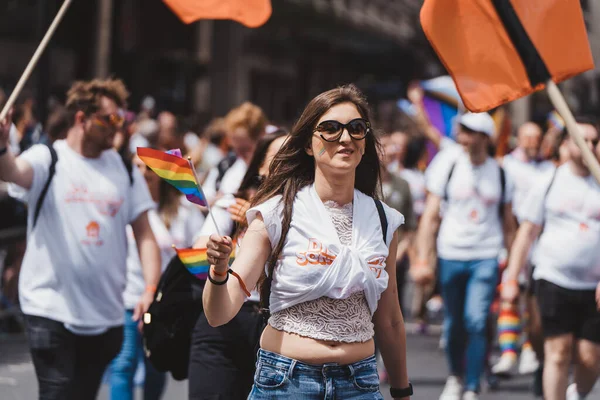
x=196 y=262
x=556 y=121
x=174 y=169
x=441 y=103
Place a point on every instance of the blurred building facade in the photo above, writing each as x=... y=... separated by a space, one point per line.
x=208 y=67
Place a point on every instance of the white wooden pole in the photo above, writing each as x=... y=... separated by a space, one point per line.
x=34 y=59
x=563 y=109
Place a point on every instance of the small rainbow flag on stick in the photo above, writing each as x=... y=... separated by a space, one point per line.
x=196 y=262
x=177 y=171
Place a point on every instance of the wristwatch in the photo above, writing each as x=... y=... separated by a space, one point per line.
x=400 y=393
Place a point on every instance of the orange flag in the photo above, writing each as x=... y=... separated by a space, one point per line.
x=251 y=13
x=500 y=50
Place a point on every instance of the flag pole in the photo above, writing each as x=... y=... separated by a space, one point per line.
x=207 y=205
x=563 y=109
x=34 y=59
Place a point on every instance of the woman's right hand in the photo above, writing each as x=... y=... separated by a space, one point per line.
x=218 y=251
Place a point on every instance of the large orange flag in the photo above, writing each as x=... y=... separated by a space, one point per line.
x=500 y=50
x=251 y=13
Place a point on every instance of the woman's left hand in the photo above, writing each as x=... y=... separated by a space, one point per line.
x=238 y=211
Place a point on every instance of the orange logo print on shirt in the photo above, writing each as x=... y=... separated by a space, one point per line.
x=93 y=234
x=317 y=254
x=376 y=265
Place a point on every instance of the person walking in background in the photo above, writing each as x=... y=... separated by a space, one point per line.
x=74 y=270
x=174 y=221
x=244 y=126
x=563 y=211
x=222 y=359
x=525 y=169
x=477 y=221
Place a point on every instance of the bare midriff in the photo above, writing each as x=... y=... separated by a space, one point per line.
x=313 y=351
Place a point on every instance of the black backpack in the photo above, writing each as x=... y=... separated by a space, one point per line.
x=170 y=319
x=52 y=172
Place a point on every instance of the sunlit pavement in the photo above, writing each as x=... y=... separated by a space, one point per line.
x=427 y=368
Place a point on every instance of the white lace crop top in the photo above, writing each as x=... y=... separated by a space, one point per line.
x=342 y=320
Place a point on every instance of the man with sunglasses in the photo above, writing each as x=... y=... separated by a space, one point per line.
x=74 y=269
x=563 y=211
x=477 y=216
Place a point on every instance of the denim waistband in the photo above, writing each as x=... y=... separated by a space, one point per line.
x=328 y=369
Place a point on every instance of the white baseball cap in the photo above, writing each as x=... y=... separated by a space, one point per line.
x=479 y=122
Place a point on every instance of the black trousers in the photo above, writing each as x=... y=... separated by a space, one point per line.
x=69 y=366
x=222 y=359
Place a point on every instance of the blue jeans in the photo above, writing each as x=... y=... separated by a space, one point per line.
x=468 y=289
x=124 y=366
x=279 y=377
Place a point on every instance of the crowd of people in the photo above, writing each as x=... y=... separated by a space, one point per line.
x=330 y=220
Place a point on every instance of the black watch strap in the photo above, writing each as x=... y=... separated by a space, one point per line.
x=3 y=151
x=400 y=393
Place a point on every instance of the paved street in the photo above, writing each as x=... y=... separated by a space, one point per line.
x=426 y=363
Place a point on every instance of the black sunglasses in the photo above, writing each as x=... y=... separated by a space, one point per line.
x=331 y=131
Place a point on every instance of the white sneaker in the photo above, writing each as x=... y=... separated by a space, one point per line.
x=528 y=362
x=505 y=364
x=572 y=393
x=452 y=390
x=470 y=396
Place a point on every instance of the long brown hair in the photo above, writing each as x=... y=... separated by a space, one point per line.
x=292 y=168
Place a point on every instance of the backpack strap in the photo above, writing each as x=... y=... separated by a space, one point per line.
x=448 y=181
x=382 y=219
x=44 y=192
x=129 y=167
x=546 y=196
x=502 y=191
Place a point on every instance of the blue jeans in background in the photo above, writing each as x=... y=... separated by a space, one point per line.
x=468 y=289
x=280 y=377
x=124 y=366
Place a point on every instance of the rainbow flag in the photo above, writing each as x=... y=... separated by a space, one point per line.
x=196 y=262
x=174 y=169
x=556 y=121
x=441 y=103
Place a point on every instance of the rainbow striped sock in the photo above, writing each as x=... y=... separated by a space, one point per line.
x=509 y=329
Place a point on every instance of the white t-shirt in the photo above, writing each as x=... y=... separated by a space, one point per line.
x=471 y=227
x=568 y=251
x=230 y=183
x=183 y=228
x=418 y=191
x=74 y=267
x=524 y=175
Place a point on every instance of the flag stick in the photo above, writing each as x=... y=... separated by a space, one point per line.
x=34 y=59
x=207 y=205
x=565 y=112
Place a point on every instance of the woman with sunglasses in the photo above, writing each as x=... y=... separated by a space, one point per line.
x=318 y=248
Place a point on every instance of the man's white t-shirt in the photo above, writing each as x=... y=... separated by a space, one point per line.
x=524 y=175
x=74 y=267
x=568 y=250
x=471 y=227
x=183 y=228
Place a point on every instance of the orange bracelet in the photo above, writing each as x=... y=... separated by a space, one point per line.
x=218 y=273
x=151 y=288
